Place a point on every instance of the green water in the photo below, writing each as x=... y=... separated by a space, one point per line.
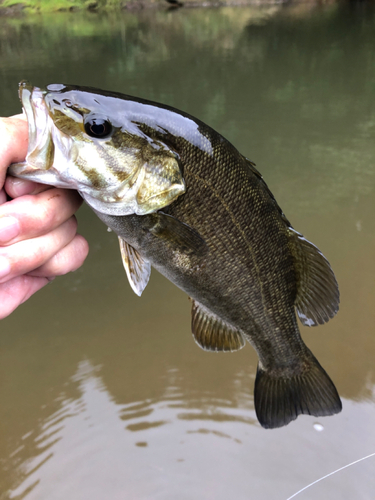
x=106 y=395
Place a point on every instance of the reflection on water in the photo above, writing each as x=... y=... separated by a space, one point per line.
x=106 y=395
x=94 y=437
x=148 y=449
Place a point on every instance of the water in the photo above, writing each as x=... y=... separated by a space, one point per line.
x=106 y=395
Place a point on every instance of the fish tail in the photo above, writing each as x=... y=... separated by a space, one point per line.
x=280 y=398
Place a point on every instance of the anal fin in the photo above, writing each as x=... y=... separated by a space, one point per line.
x=137 y=269
x=211 y=333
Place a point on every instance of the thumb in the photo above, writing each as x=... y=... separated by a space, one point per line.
x=13 y=145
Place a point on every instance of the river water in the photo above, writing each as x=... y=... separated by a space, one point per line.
x=106 y=395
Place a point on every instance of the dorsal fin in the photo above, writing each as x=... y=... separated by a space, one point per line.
x=318 y=294
x=212 y=333
x=251 y=165
x=137 y=269
x=256 y=172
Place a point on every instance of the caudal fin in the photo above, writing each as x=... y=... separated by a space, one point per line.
x=279 y=400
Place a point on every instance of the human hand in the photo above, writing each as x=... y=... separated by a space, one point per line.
x=38 y=239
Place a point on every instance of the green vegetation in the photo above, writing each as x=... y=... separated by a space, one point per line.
x=33 y=6
x=10 y=7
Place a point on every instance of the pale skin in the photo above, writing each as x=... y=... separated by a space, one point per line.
x=38 y=238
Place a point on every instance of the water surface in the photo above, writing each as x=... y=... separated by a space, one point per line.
x=106 y=395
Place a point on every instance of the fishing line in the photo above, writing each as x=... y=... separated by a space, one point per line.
x=330 y=474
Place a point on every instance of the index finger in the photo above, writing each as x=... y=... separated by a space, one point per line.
x=14 y=140
x=38 y=214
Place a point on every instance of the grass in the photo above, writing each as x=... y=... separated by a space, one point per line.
x=61 y=5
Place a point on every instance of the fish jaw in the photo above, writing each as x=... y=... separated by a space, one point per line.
x=45 y=149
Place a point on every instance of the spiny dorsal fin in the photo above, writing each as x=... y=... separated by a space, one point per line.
x=212 y=333
x=318 y=294
x=137 y=269
x=251 y=165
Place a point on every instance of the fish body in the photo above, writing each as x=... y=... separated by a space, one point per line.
x=183 y=200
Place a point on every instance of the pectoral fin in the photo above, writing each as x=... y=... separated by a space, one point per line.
x=177 y=234
x=137 y=269
x=318 y=294
x=211 y=333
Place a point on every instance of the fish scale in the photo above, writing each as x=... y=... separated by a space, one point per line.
x=240 y=210
x=201 y=214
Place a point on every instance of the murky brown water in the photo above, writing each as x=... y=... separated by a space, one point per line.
x=104 y=394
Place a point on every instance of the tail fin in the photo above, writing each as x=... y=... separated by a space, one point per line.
x=279 y=400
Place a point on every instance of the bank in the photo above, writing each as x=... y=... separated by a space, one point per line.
x=15 y=7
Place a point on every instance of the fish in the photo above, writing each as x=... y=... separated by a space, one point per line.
x=183 y=200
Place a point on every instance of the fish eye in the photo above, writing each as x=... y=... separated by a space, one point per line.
x=98 y=127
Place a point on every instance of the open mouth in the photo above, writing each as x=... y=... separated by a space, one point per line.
x=41 y=149
x=25 y=94
x=32 y=99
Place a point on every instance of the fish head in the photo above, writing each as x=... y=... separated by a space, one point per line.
x=92 y=142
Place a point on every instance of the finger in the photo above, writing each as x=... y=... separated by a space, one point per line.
x=14 y=141
x=16 y=291
x=19 y=116
x=68 y=259
x=20 y=187
x=32 y=216
x=25 y=256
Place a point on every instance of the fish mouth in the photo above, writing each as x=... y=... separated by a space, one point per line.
x=32 y=99
x=40 y=152
x=25 y=93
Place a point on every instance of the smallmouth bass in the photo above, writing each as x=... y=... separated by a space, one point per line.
x=183 y=200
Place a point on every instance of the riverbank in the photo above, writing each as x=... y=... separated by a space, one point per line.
x=15 y=7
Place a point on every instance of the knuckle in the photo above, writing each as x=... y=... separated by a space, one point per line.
x=35 y=258
x=32 y=259
x=45 y=216
x=34 y=216
x=68 y=259
x=70 y=228
x=82 y=250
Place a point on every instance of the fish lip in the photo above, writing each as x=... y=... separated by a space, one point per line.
x=24 y=84
x=32 y=99
x=36 y=111
x=25 y=90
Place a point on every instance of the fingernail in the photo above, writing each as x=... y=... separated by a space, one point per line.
x=4 y=267
x=9 y=228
